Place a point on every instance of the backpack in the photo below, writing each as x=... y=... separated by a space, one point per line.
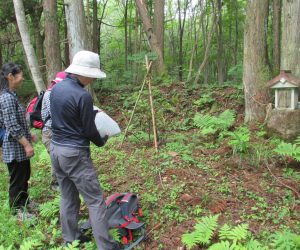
x=33 y=111
x=123 y=212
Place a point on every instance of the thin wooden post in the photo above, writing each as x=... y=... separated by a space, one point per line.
x=148 y=67
x=152 y=108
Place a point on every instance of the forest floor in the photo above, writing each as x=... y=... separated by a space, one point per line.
x=193 y=174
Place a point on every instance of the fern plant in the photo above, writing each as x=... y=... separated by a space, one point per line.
x=203 y=233
x=212 y=124
x=50 y=209
x=231 y=238
x=239 y=140
x=289 y=149
x=205 y=99
x=285 y=240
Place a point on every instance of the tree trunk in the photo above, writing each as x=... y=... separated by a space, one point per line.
x=276 y=36
x=77 y=33
x=221 y=56
x=126 y=33
x=66 y=42
x=77 y=29
x=181 y=23
x=194 y=49
x=158 y=22
x=28 y=48
x=154 y=45
x=290 y=52
x=95 y=27
x=52 y=48
x=207 y=49
x=256 y=72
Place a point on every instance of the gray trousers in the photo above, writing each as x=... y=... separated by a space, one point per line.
x=76 y=174
x=46 y=139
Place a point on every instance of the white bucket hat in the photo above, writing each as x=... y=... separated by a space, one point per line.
x=86 y=63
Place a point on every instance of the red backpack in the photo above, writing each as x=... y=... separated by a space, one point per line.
x=33 y=111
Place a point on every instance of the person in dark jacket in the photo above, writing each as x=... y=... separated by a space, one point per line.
x=17 y=143
x=73 y=128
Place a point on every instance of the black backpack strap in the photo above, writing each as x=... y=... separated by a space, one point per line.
x=125 y=205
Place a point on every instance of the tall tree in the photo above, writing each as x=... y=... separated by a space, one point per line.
x=256 y=72
x=276 y=36
x=290 y=52
x=158 y=22
x=77 y=28
x=52 y=48
x=28 y=48
x=220 y=58
x=181 y=23
x=95 y=27
x=152 y=38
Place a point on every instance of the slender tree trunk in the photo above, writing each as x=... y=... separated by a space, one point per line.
x=256 y=72
x=221 y=56
x=126 y=33
x=236 y=46
x=95 y=27
x=207 y=49
x=150 y=34
x=290 y=52
x=197 y=34
x=66 y=42
x=38 y=45
x=181 y=23
x=28 y=48
x=276 y=36
x=100 y=23
x=52 y=48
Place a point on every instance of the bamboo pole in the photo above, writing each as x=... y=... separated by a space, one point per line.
x=148 y=67
x=152 y=109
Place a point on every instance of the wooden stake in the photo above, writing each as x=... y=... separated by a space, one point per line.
x=148 y=67
x=153 y=115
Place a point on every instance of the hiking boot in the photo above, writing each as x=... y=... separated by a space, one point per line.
x=23 y=215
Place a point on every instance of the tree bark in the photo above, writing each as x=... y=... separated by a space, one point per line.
x=158 y=22
x=28 y=48
x=181 y=23
x=126 y=33
x=194 y=49
x=152 y=38
x=290 y=52
x=221 y=56
x=52 y=48
x=77 y=28
x=256 y=71
x=276 y=36
x=207 y=49
x=95 y=27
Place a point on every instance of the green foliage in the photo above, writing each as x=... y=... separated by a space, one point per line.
x=211 y=124
x=203 y=233
x=50 y=208
x=289 y=149
x=238 y=233
x=204 y=100
x=285 y=240
x=239 y=140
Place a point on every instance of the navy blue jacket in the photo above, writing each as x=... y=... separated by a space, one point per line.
x=73 y=117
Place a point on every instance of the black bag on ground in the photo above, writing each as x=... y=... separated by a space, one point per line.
x=123 y=213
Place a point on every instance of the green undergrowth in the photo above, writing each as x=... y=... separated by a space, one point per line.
x=208 y=162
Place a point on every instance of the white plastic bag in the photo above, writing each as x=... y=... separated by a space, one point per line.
x=105 y=124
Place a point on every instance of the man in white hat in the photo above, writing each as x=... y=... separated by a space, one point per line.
x=73 y=127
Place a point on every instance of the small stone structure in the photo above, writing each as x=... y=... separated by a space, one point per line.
x=284 y=119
